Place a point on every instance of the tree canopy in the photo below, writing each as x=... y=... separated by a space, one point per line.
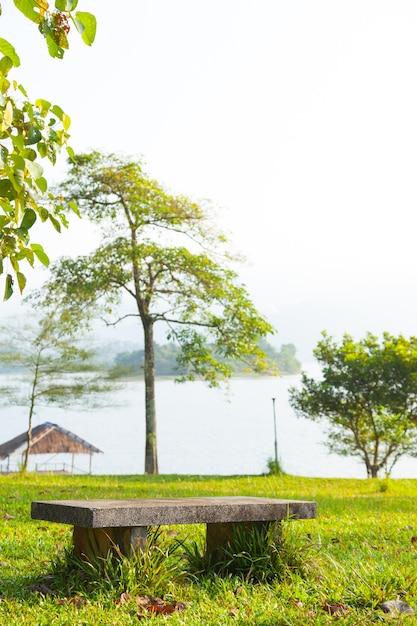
x=164 y=254
x=368 y=397
x=29 y=132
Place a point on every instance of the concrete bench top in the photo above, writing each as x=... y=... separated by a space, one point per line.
x=159 y=511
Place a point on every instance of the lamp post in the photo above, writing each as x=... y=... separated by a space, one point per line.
x=275 y=431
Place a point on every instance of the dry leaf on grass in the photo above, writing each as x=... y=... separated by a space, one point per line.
x=124 y=597
x=152 y=604
x=42 y=589
x=166 y=609
x=397 y=606
x=336 y=608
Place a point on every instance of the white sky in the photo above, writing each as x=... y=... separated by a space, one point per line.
x=297 y=118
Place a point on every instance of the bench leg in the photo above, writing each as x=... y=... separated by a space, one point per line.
x=219 y=536
x=90 y=543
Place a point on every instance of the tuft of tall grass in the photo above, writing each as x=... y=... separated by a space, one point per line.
x=254 y=555
x=151 y=571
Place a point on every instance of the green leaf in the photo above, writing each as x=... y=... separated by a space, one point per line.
x=6 y=206
x=18 y=142
x=42 y=184
x=7 y=116
x=54 y=50
x=56 y=110
x=8 y=50
x=29 y=8
x=35 y=169
x=28 y=153
x=8 y=290
x=42 y=149
x=43 y=213
x=29 y=218
x=34 y=136
x=71 y=154
x=88 y=26
x=43 y=106
x=21 y=280
x=7 y=190
x=40 y=253
x=23 y=91
x=19 y=177
x=6 y=65
x=66 y=5
x=66 y=121
x=74 y=207
x=56 y=224
x=15 y=261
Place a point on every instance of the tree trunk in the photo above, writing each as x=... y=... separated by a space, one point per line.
x=26 y=452
x=372 y=470
x=151 y=454
x=30 y=420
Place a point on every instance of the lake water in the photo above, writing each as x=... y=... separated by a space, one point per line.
x=200 y=431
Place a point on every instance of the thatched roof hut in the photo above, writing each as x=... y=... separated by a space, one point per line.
x=48 y=439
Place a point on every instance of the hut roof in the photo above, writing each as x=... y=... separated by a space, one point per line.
x=48 y=439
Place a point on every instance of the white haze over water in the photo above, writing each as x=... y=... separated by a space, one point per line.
x=201 y=431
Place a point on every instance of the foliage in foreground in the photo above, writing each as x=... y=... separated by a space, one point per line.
x=29 y=132
x=361 y=553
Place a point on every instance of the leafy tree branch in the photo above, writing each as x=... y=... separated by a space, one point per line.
x=30 y=132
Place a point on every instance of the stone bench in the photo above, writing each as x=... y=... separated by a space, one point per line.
x=100 y=525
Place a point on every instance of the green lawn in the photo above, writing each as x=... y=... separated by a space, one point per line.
x=359 y=552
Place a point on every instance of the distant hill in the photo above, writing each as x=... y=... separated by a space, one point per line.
x=130 y=363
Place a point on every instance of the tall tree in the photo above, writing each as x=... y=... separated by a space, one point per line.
x=368 y=397
x=31 y=131
x=163 y=252
x=52 y=368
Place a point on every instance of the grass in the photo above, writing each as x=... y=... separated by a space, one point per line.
x=359 y=552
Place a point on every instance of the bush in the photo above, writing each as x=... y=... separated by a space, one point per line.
x=274 y=467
